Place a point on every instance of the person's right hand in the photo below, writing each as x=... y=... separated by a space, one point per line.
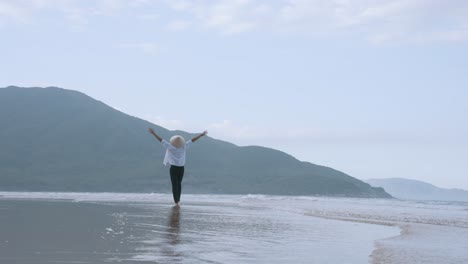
x=151 y=130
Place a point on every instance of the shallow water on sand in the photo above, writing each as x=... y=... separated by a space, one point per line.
x=145 y=228
x=227 y=233
x=205 y=229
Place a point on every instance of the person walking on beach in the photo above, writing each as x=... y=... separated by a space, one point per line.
x=175 y=156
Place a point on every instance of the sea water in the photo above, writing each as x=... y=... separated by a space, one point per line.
x=275 y=229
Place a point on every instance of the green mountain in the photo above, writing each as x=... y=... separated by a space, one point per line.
x=52 y=139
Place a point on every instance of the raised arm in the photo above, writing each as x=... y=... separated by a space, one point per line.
x=199 y=136
x=154 y=134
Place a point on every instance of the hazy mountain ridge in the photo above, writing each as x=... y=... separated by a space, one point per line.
x=418 y=190
x=54 y=139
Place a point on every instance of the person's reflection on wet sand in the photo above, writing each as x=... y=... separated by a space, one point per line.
x=173 y=226
x=171 y=238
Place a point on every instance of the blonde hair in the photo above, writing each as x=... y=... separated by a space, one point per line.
x=177 y=141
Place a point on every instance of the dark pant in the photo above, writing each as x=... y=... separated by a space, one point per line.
x=177 y=173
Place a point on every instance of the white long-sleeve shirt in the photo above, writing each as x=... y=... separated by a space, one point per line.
x=175 y=156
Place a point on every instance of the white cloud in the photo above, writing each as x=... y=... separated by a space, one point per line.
x=180 y=5
x=12 y=12
x=244 y=134
x=376 y=21
x=177 y=25
x=228 y=16
x=227 y=130
x=76 y=12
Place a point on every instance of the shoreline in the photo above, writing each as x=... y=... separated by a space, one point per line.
x=425 y=232
x=142 y=225
x=422 y=240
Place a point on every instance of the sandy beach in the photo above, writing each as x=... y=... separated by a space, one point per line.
x=59 y=232
x=146 y=228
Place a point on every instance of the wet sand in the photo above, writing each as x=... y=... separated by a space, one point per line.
x=201 y=231
x=60 y=232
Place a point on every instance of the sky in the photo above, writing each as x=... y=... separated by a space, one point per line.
x=373 y=88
